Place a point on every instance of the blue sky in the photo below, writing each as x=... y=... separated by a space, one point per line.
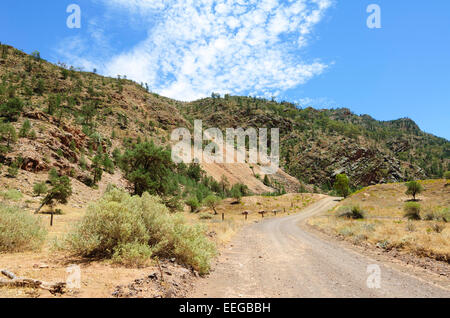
x=315 y=52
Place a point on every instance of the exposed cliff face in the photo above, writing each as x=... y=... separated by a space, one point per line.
x=316 y=145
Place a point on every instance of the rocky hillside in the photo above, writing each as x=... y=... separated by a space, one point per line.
x=63 y=116
x=69 y=115
x=316 y=145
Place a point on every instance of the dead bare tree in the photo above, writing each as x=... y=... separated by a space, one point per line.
x=14 y=281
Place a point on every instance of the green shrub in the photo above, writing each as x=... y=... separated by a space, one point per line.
x=193 y=204
x=40 y=188
x=341 y=185
x=19 y=231
x=11 y=110
x=132 y=254
x=212 y=201
x=126 y=228
x=13 y=171
x=60 y=191
x=351 y=212
x=11 y=195
x=442 y=215
x=25 y=130
x=236 y=194
x=413 y=188
x=267 y=181
x=205 y=216
x=412 y=211
x=447 y=175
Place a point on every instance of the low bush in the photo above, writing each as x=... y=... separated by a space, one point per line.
x=132 y=254
x=130 y=229
x=205 y=216
x=20 y=231
x=442 y=215
x=40 y=188
x=193 y=204
x=11 y=195
x=412 y=211
x=351 y=212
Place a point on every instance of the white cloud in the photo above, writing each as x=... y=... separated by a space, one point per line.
x=226 y=46
x=317 y=102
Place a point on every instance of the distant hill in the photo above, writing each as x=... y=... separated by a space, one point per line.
x=318 y=144
x=73 y=113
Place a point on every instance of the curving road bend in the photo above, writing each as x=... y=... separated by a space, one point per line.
x=278 y=258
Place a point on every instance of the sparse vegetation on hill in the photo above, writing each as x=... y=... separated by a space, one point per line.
x=78 y=119
x=393 y=221
x=318 y=145
x=88 y=130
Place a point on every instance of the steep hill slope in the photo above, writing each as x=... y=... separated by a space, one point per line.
x=71 y=114
x=318 y=144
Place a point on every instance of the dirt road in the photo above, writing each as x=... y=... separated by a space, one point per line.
x=280 y=258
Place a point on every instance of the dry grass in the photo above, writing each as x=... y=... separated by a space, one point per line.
x=386 y=226
x=223 y=231
x=99 y=278
x=388 y=200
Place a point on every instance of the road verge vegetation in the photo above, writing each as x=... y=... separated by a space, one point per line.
x=20 y=231
x=131 y=230
x=392 y=221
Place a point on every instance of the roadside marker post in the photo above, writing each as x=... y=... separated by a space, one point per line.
x=51 y=219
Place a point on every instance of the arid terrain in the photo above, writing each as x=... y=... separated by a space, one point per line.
x=385 y=225
x=87 y=179
x=103 y=279
x=282 y=258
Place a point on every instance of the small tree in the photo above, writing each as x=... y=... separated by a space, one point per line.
x=148 y=167
x=25 y=130
x=236 y=194
x=40 y=188
x=224 y=183
x=108 y=164
x=11 y=110
x=267 y=181
x=13 y=170
x=40 y=87
x=36 y=55
x=60 y=191
x=447 y=175
x=342 y=185
x=53 y=104
x=414 y=188
x=97 y=170
x=212 y=202
x=193 y=204
x=195 y=172
x=8 y=133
